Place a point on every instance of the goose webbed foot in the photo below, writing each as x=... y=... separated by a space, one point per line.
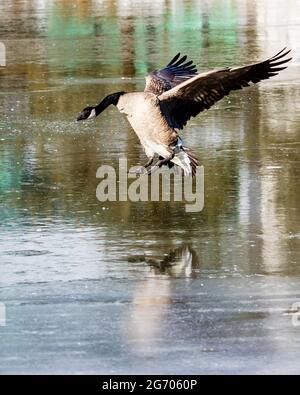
x=152 y=169
x=138 y=170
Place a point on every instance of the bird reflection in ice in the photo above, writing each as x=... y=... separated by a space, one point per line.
x=180 y=262
x=152 y=299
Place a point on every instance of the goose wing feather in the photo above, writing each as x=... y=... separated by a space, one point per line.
x=200 y=92
x=176 y=72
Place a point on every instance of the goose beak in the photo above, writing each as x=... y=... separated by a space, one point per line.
x=81 y=117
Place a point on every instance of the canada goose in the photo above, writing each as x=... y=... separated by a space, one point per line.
x=172 y=96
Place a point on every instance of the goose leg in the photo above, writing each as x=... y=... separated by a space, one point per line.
x=161 y=162
x=141 y=169
x=149 y=162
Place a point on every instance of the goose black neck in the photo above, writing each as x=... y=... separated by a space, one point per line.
x=107 y=101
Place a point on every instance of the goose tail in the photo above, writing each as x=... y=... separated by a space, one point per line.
x=186 y=161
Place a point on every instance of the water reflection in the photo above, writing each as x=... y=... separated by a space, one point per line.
x=149 y=308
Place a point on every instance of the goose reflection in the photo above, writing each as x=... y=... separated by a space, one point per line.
x=180 y=262
x=146 y=324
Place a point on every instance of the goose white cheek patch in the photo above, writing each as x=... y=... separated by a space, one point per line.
x=92 y=114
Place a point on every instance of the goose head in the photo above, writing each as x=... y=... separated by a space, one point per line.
x=87 y=113
x=92 y=112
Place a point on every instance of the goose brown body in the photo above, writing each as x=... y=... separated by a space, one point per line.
x=143 y=112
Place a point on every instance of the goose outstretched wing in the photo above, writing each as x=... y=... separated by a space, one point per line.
x=176 y=72
x=200 y=92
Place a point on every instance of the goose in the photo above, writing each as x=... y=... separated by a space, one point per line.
x=173 y=95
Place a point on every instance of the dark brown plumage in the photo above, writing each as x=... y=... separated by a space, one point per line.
x=171 y=75
x=200 y=92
